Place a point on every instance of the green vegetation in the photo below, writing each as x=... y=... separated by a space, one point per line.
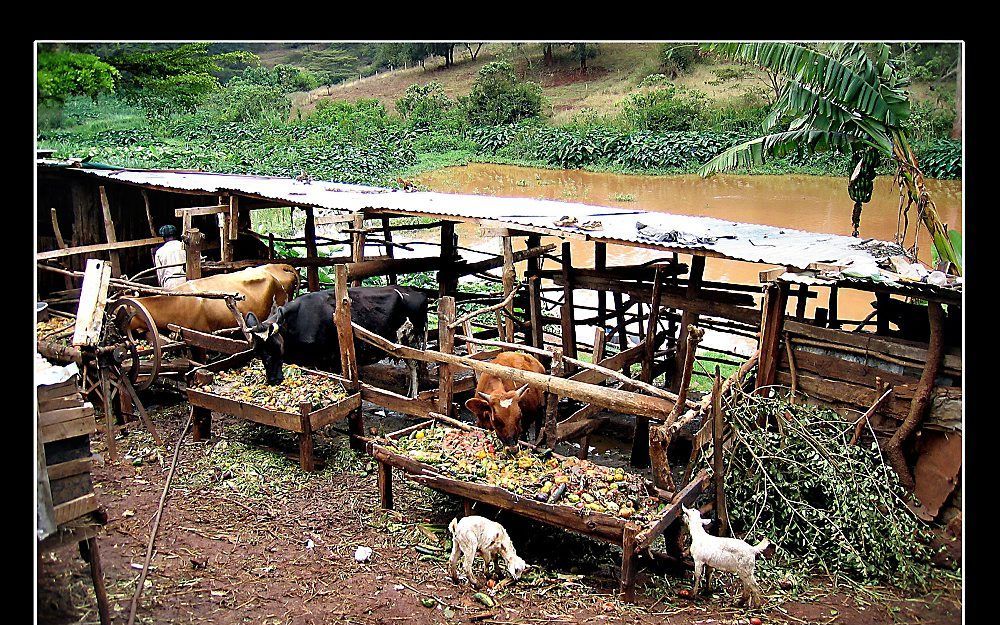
x=218 y=107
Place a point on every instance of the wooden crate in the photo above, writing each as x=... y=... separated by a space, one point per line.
x=632 y=537
x=303 y=423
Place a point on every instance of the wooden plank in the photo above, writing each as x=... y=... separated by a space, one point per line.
x=93 y=299
x=335 y=412
x=52 y=417
x=193 y=211
x=899 y=348
x=75 y=508
x=686 y=495
x=109 y=231
x=242 y=410
x=416 y=407
x=772 y=321
x=234 y=217
x=830 y=366
x=213 y=342
x=509 y=277
x=59 y=403
x=67 y=429
x=312 y=273
x=72 y=467
x=194 y=239
x=568 y=311
x=97 y=247
x=446 y=344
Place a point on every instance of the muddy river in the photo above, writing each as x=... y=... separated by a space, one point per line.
x=814 y=203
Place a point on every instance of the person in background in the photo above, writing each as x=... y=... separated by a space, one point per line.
x=170 y=258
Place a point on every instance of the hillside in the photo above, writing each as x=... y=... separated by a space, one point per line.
x=611 y=75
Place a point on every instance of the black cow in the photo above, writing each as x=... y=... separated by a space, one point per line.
x=303 y=331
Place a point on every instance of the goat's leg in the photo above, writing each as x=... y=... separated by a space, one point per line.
x=746 y=582
x=708 y=578
x=756 y=597
x=699 y=568
x=467 y=564
x=456 y=554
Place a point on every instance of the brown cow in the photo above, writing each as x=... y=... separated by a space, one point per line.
x=501 y=407
x=264 y=287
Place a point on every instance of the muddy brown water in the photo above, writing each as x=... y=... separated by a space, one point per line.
x=813 y=203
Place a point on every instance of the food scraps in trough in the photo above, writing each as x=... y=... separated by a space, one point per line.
x=476 y=456
x=248 y=385
x=56 y=329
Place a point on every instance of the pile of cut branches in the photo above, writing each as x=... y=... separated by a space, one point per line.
x=831 y=507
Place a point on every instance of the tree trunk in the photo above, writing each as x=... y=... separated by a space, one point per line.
x=547 y=53
x=921 y=403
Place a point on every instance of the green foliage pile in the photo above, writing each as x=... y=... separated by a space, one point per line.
x=831 y=507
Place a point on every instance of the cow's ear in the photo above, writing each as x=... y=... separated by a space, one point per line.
x=477 y=406
x=252 y=320
x=279 y=315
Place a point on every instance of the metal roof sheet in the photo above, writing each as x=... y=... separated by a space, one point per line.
x=669 y=232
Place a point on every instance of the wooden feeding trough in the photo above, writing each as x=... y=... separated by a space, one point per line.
x=305 y=422
x=631 y=536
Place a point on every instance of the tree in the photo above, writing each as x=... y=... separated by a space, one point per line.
x=163 y=78
x=446 y=50
x=498 y=98
x=479 y=46
x=850 y=97
x=547 y=52
x=62 y=74
x=584 y=51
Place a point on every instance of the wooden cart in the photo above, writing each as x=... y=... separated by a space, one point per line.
x=303 y=423
x=632 y=537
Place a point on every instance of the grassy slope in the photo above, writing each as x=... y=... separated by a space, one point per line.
x=614 y=73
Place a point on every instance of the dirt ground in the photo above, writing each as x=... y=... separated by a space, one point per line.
x=247 y=537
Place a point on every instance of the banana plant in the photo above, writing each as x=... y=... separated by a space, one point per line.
x=850 y=97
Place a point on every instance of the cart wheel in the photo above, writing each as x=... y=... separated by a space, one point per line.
x=134 y=323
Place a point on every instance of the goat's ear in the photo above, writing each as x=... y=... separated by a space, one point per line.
x=477 y=406
x=706 y=522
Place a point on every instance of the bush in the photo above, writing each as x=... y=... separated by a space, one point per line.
x=927 y=122
x=662 y=109
x=498 y=98
x=64 y=74
x=423 y=106
x=941 y=158
x=292 y=79
x=677 y=58
x=248 y=102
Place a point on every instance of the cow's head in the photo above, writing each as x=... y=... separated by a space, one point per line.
x=501 y=411
x=268 y=344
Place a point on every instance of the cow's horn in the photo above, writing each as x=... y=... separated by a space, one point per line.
x=483 y=395
x=521 y=390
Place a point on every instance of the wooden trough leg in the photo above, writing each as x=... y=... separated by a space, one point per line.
x=90 y=553
x=109 y=426
x=385 y=485
x=628 y=562
x=348 y=356
x=201 y=424
x=306 y=459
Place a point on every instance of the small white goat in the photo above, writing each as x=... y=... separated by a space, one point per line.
x=475 y=534
x=725 y=554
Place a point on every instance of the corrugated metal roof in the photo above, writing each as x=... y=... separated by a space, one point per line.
x=704 y=235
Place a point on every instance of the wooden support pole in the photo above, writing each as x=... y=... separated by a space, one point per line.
x=193 y=241
x=509 y=277
x=718 y=462
x=348 y=356
x=552 y=402
x=385 y=485
x=358 y=237
x=109 y=231
x=688 y=317
x=921 y=403
x=834 y=320
x=446 y=345
x=661 y=435
x=201 y=420
x=534 y=263
x=772 y=325
x=622 y=324
x=535 y=312
x=628 y=561
x=306 y=460
x=447 y=279
x=97 y=577
x=882 y=313
x=568 y=312
x=109 y=426
x=671 y=319
x=312 y=273
x=600 y=264
x=800 y=305
x=387 y=237
x=149 y=213
x=640 y=435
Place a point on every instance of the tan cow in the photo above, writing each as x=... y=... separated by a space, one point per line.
x=503 y=408
x=264 y=287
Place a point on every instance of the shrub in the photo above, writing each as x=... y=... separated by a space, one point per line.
x=662 y=109
x=498 y=98
x=927 y=122
x=65 y=74
x=941 y=158
x=423 y=106
x=247 y=102
x=677 y=58
x=291 y=78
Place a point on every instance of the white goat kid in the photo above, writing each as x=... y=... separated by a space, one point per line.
x=726 y=554
x=475 y=534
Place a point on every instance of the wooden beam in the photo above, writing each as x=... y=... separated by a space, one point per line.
x=772 y=321
x=93 y=299
x=312 y=273
x=446 y=343
x=509 y=277
x=688 y=317
x=193 y=241
x=97 y=247
x=149 y=212
x=358 y=236
x=109 y=231
x=193 y=211
x=568 y=312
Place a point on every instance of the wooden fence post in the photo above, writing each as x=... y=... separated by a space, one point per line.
x=688 y=318
x=348 y=357
x=535 y=312
x=446 y=345
x=387 y=237
x=193 y=240
x=509 y=277
x=109 y=231
x=358 y=237
x=447 y=281
x=568 y=313
x=306 y=459
x=718 y=466
x=772 y=323
x=640 y=438
x=312 y=271
x=552 y=401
